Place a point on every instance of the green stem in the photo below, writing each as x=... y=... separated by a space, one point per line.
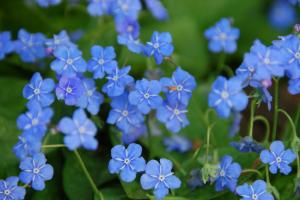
x=252 y=170
x=150 y=138
x=294 y=130
x=48 y=146
x=170 y=60
x=276 y=101
x=252 y=112
x=88 y=176
x=221 y=63
x=298 y=165
x=267 y=175
x=267 y=124
x=208 y=140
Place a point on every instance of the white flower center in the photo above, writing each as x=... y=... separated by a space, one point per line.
x=36 y=170
x=34 y=121
x=115 y=78
x=267 y=61
x=224 y=94
x=251 y=69
x=179 y=87
x=278 y=160
x=176 y=111
x=125 y=113
x=125 y=7
x=129 y=29
x=223 y=36
x=36 y=91
x=7 y=192
x=156 y=45
x=101 y=61
x=56 y=41
x=161 y=178
x=70 y=61
x=146 y=96
x=254 y=196
x=90 y=93
x=126 y=161
x=81 y=130
x=297 y=55
x=69 y=90
x=222 y=173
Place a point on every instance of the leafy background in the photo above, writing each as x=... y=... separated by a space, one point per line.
x=188 y=20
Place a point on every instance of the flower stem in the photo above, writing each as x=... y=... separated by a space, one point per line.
x=252 y=112
x=221 y=63
x=267 y=124
x=88 y=176
x=209 y=128
x=267 y=175
x=276 y=100
x=48 y=146
x=252 y=170
x=294 y=130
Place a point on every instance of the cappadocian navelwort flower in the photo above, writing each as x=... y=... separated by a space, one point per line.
x=157 y=9
x=9 y=189
x=177 y=143
x=46 y=3
x=256 y=191
x=61 y=39
x=6 y=44
x=27 y=145
x=247 y=144
x=99 y=7
x=126 y=8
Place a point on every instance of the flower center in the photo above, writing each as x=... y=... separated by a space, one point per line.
x=267 y=61
x=125 y=7
x=56 y=41
x=125 y=113
x=34 y=121
x=81 y=130
x=254 y=196
x=146 y=96
x=297 y=55
x=30 y=43
x=115 y=78
x=129 y=29
x=156 y=45
x=223 y=36
x=69 y=61
x=36 y=170
x=176 y=111
x=161 y=177
x=251 y=69
x=101 y=61
x=222 y=173
x=278 y=160
x=179 y=87
x=69 y=90
x=89 y=93
x=224 y=95
x=36 y=91
x=266 y=83
x=7 y=192
x=126 y=161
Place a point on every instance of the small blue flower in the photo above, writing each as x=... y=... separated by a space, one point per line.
x=30 y=46
x=294 y=2
x=35 y=171
x=159 y=177
x=178 y=143
x=179 y=87
x=160 y=46
x=68 y=61
x=70 y=90
x=127 y=162
x=294 y=86
x=79 y=131
x=235 y=126
x=46 y=3
x=27 y=145
x=126 y=8
x=172 y=114
x=6 y=44
x=35 y=120
x=278 y=158
x=157 y=9
x=227 y=95
x=118 y=79
x=9 y=189
x=146 y=95
x=92 y=99
x=99 y=7
x=256 y=191
x=40 y=90
x=247 y=144
x=128 y=27
x=125 y=115
x=103 y=60
x=222 y=36
x=134 y=134
x=195 y=179
x=227 y=175
x=61 y=39
x=133 y=45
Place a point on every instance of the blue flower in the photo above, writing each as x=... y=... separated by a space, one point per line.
x=35 y=120
x=278 y=158
x=178 y=143
x=222 y=36
x=179 y=87
x=294 y=2
x=172 y=114
x=227 y=95
x=159 y=177
x=118 y=79
x=68 y=61
x=70 y=90
x=99 y=7
x=35 y=171
x=6 y=45
x=30 y=46
x=128 y=27
x=79 y=131
x=294 y=86
x=61 y=39
x=195 y=179
x=27 y=145
x=235 y=126
x=40 y=90
x=160 y=46
x=256 y=191
x=103 y=60
x=247 y=144
x=92 y=99
x=157 y=9
x=127 y=162
x=9 y=189
x=146 y=95
x=126 y=8
x=125 y=115
x=46 y=3
x=132 y=44
x=134 y=133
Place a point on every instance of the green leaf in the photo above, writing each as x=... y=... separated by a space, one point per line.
x=134 y=190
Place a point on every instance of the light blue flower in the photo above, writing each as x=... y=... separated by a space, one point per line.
x=157 y=9
x=99 y=7
x=133 y=45
x=126 y=8
x=46 y=3
x=6 y=44
x=256 y=191
x=9 y=189
x=61 y=39
x=178 y=143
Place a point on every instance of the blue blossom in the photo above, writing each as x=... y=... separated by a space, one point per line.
x=195 y=179
x=179 y=87
x=134 y=133
x=178 y=143
x=35 y=120
x=159 y=177
x=157 y=9
x=92 y=99
x=68 y=61
x=9 y=189
x=294 y=86
x=222 y=36
x=27 y=145
x=235 y=126
x=278 y=158
x=39 y=90
x=102 y=61
x=160 y=46
x=256 y=191
x=30 y=46
x=125 y=115
x=79 y=131
x=46 y=3
x=146 y=95
x=227 y=95
x=61 y=39
x=294 y=2
x=133 y=45
x=69 y=90
x=99 y=7
x=6 y=44
x=227 y=174
x=118 y=79
x=127 y=162
x=126 y=8
x=172 y=114
x=35 y=171
x=247 y=144
x=128 y=27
